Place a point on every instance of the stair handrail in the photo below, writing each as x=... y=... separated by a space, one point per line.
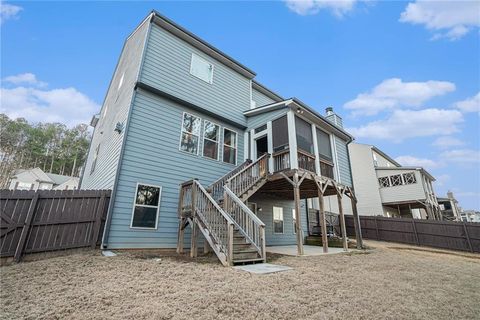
x=219 y=224
x=239 y=182
x=247 y=222
x=216 y=188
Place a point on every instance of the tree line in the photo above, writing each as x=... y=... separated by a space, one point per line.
x=52 y=147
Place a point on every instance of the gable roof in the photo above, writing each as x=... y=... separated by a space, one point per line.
x=37 y=173
x=57 y=178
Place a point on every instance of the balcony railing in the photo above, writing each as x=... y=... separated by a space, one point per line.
x=306 y=161
x=326 y=169
x=281 y=160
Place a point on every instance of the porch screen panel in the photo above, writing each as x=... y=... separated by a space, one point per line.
x=324 y=147
x=280 y=134
x=304 y=135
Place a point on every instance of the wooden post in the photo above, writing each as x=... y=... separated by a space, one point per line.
x=181 y=235
x=323 y=221
x=415 y=232
x=356 y=223
x=467 y=236
x=296 y=195
x=206 y=247
x=342 y=221
x=376 y=229
x=230 y=244
x=26 y=227
x=98 y=220
x=264 y=249
x=193 y=242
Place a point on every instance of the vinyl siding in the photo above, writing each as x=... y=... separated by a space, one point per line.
x=152 y=156
x=343 y=162
x=266 y=215
x=118 y=101
x=365 y=180
x=261 y=119
x=410 y=192
x=167 y=68
x=261 y=99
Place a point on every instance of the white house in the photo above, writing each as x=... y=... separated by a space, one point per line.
x=384 y=187
x=36 y=179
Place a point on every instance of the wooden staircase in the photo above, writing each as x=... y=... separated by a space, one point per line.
x=233 y=231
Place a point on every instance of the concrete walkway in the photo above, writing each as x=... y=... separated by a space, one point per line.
x=308 y=250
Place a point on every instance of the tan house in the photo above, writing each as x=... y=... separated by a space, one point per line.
x=36 y=179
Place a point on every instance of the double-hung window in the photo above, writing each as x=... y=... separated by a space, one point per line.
x=145 y=207
x=211 y=137
x=277 y=220
x=229 y=146
x=190 y=137
x=294 y=219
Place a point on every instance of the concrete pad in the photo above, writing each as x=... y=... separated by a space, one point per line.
x=263 y=268
x=108 y=253
x=308 y=250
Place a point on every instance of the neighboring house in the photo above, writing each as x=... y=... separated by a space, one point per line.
x=449 y=207
x=470 y=216
x=179 y=109
x=36 y=179
x=383 y=187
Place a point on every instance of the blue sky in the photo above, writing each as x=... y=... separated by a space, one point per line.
x=405 y=76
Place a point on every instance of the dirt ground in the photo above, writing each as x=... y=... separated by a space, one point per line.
x=388 y=282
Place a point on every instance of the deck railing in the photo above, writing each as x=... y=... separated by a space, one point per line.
x=246 y=221
x=242 y=181
x=306 y=161
x=326 y=169
x=216 y=188
x=281 y=160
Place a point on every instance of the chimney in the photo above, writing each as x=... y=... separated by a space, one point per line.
x=450 y=195
x=334 y=118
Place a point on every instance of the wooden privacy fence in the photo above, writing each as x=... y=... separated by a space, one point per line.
x=48 y=220
x=464 y=236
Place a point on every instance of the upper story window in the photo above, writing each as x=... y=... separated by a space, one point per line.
x=280 y=134
x=211 y=137
x=324 y=146
x=229 y=146
x=190 y=137
x=201 y=68
x=304 y=135
x=409 y=178
x=95 y=156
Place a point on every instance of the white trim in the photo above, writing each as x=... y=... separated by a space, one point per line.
x=292 y=139
x=336 y=169
x=270 y=145
x=263 y=135
x=181 y=133
x=218 y=137
x=252 y=144
x=235 y=147
x=273 y=221
x=266 y=107
x=147 y=206
x=246 y=144
x=315 y=149
x=210 y=81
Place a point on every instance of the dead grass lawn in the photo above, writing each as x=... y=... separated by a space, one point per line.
x=387 y=283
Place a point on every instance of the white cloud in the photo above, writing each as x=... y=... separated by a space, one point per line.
x=310 y=7
x=65 y=105
x=441 y=179
x=8 y=11
x=469 y=105
x=411 y=161
x=405 y=124
x=449 y=19
x=447 y=142
x=394 y=93
x=461 y=156
x=25 y=78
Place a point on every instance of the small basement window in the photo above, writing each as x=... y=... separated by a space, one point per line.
x=277 y=220
x=229 y=146
x=145 y=208
x=201 y=68
x=211 y=137
x=190 y=137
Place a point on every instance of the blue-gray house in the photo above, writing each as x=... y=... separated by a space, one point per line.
x=193 y=147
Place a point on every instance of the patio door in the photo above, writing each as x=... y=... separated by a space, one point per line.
x=261 y=146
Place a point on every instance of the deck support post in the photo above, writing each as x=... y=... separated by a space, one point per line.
x=296 y=195
x=323 y=221
x=193 y=244
x=206 y=247
x=342 y=219
x=356 y=222
x=181 y=234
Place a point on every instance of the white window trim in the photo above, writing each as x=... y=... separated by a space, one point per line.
x=205 y=60
x=273 y=221
x=235 y=147
x=218 y=141
x=181 y=133
x=146 y=206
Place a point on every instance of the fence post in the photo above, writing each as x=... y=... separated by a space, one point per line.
x=467 y=236
x=26 y=227
x=415 y=232
x=98 y=220
x=376 y=228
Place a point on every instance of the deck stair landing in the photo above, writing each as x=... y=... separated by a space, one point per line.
x=233 y=231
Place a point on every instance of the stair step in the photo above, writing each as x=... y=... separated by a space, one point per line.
x=245 y=256
x=244 y=250
x=247 y=260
